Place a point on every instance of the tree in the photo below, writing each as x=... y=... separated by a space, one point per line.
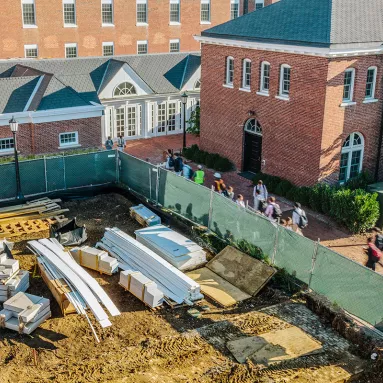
x=194 y=122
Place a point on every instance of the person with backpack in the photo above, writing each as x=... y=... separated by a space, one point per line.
x=178 y=164
x=299 y=216
x=374 y=254
x=199 y=175
x=262 y=192
x=260 y=203
x=273 y=210
x=169 y=165
x=378 y=238
x=187 y=171
x=109 y=144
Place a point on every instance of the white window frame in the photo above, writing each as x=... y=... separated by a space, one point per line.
x=282 y=94
x=31 y=46
x=205 y=22
x=102 y=22
x=34 y=11
x=228 y=83
x=70 y=25
x=71 y=45
x=368 y=99
x=141 y=23
x=349 y=100
x=7 y=150
x=262 y=90
x=234 y=3
x=107 y=44
x=259 y=4
x=69 y=144
x=350 y=150
x=142 y=42
x=174 y=41
x=179 y=12
x=245 y=87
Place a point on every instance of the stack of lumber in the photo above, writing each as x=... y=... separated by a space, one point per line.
x=144 y=216
x=30 y=220
x=12 y=279
x=86 y=292
x=95 y=259
x=142 y=288
x=132 y=255
x=24 y=312
x=175 y=248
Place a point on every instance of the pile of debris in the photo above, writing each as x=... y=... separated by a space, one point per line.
x=24 y=312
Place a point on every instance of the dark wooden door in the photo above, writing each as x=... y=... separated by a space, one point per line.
x=253 y=153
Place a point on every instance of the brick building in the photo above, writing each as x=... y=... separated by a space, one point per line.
x=69 y=28
x=295 y=90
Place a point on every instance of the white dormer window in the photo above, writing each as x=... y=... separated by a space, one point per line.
x=29 y=13
x=125 y=89
x=348 y=87
x=69 y=10
x=107 y=12
x=371 y=83
x=246 y=74
x=174 y=12
x=234 y=9
x=259 y=4
x=284 y=81
x=229 y=79
x=265 y=78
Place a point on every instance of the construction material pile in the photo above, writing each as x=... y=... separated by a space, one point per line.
x=175 y=248
x=95 y=259
x=132 y=255
x=144 y=216
x=24 y=312
x=86 y=292
x=30 y=220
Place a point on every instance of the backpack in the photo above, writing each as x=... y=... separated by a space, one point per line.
x=277 y=212
x=376 y=254
x=171 y=162
x=178 y=164
x=379 y=241
x=262 y=206
x=303 y=221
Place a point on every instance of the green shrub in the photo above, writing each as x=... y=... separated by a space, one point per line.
x=196 y=156
x=361 y=181
x=211 y=159
x=293 y=193
x=283 y=188
x=250 y=249
x=202 y=156
x=272 y=183
x=223 y=164
x=187 y=153
x=303 y=196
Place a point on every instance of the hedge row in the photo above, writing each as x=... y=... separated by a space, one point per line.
x=210 y=160
x=349 y=205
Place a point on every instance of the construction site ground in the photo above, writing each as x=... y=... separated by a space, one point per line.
x=167 y=345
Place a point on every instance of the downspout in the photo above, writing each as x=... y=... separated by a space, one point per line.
x=377 y=168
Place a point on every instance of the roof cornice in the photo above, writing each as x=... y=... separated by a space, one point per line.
x=292 y=49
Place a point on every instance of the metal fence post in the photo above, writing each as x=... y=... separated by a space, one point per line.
x=117 y=166
x=313 y=262
x=275 y=246
x=150 y=183
x=45 y=173
x=64 y=171
x=157 y=183
x=210 y=208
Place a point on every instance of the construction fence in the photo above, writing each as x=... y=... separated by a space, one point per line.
x=348 y=284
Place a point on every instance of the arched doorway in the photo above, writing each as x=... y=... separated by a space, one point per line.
x=252 y=160
x=351 y=159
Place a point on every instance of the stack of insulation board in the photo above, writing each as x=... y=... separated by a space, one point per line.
x=132 y=255
x=144 y=216
x=142 y=287
x=24 y=312
x=175 y=248
x=12 y=279
x=95 y=259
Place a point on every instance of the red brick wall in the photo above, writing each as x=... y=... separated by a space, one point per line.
x=292 y=130
x=50 y=36
x=44 y=137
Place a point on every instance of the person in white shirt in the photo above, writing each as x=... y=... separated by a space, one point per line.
x=240 y=200
x=297 y=214
x=262 y=192
x=259 y=202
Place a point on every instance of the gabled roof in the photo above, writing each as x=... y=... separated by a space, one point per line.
x=319 y=23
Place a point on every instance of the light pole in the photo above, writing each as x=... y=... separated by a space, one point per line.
x=14 y=125
x=184 y=99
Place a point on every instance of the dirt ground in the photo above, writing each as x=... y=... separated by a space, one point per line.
x=141 y=345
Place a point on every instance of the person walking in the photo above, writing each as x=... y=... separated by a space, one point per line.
x=273 y=211
x=374 y=254
x=199 y=175
x=218 y=182
x=187 y=171
x=109 y=143
x=178 y=164
x=262 y=191
x=240 y=200
x=224 y=191
x=230 y=192
x=260 y=203
x=121 y=143
x=169 y=165
x=299 y=216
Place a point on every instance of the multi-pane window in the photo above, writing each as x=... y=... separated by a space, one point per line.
x=259 y=4
x=29 y=15
x=172 y=111
x=107 y=12
x=351 y=157
x=31 y=51
x=120 y=121
x=107 y=49
x=229 y=71
x=69 y=12
x=68 y=139
x=284 y=86
x=174 y=11
x=70 y=50
x=265 y=77
x=161 y=115
x=174 y=45
x=205 y=11
x=234 y=9
x=125 y=89
x=371 y=83
x=131 y=121
x=142 y=47
x=142 y=12
x=246 y=74
x=6 y=144
x=348 y=88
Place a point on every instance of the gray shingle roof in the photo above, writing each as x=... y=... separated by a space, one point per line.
x=76 y=82
x=321 y=23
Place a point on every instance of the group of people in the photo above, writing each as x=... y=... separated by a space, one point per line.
x=120 y=143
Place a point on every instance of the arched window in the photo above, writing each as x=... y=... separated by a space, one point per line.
x=125 y=89
x=351 y=159
x=197 y=85
x=253 y=126
x=229 y=76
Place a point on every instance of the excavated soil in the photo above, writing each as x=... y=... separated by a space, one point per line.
x=141 y=345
